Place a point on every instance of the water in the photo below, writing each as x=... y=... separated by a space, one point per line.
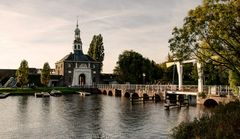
x=96 y=116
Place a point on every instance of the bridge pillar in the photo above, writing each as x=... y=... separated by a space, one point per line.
x=200 y=77
x=180 y=75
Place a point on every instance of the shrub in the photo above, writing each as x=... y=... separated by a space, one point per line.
x=202 y=94
x=222 y=123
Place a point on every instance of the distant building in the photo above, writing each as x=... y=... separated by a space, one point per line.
x=34 y=75
x=77 y=68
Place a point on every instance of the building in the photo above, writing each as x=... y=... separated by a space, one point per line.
x=77 y=68
x=8 y=77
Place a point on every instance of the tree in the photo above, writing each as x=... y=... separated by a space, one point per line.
x=45 y=74
x=211 y=33
x=96 y=49
x=221 y=122
x=234 y=82
x=22 y=73
x=134 y=68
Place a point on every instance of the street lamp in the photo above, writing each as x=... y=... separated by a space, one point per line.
x=143 y=77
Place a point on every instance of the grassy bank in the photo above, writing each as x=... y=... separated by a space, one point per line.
x=222 y=123
x=31 y=91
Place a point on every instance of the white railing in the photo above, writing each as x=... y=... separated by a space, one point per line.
x=209 y=89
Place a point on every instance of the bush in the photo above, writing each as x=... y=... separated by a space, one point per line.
x=222 y=123
x=202 y=94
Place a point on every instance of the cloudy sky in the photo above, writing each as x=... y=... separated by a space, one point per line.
x=43 y=30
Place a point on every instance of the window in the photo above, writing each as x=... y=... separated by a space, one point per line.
x=75 y=46
x=69 y=65
x=69 y=71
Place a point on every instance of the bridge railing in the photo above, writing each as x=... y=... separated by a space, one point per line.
x=209 y=89
x=189 y=88
x=222 y=90
x=137 y=87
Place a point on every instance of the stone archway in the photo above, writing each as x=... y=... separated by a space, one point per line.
x=104 y=92
x=127 y=95
x=135 y=95
x=82 y=79
x=210 y=103
x=110 y=93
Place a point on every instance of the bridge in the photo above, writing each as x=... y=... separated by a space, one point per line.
x=214 y=94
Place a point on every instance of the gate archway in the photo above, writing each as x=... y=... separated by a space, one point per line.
x=82 y=79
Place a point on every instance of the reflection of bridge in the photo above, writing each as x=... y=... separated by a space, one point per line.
x=214 y=94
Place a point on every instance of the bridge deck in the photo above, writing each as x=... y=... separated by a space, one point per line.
x=182 y=93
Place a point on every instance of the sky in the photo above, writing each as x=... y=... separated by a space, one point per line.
x=42 y=31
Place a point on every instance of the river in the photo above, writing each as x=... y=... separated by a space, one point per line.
x=96 y=116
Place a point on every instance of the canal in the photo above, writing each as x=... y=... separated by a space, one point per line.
x=96 y=116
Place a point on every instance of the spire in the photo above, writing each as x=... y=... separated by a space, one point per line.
x=77 y=21
x=77 y=30
x=77 y=43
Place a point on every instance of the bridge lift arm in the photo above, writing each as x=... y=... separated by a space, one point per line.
x=180 y=72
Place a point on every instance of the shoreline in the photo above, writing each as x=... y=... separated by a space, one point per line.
x=32 y=91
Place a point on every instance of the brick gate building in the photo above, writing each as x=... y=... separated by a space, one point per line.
x=77 y=68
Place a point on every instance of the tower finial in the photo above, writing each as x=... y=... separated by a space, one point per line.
x=77 y=21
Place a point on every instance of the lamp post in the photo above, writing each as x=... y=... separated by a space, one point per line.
x=143 y=77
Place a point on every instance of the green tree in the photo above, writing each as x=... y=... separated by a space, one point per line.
x=233 y=81
x=134 y=68
x=96 y=49
x=22 y=73
x=211 y=33
x=45 y=74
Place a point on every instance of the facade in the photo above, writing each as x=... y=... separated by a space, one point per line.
x=77 y=68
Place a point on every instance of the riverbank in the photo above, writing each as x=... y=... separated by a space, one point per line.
x=31 y=91
x=221 y=123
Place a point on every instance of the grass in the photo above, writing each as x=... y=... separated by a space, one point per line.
x=31 y=91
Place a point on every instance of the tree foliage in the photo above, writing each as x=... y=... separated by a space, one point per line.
x=96 y=49
x=134 y=68
x=22 y=73
x=45 y=74
x=221 y=123
x=212 y=33
x=233 y=80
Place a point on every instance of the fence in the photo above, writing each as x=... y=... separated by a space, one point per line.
x=208 y=89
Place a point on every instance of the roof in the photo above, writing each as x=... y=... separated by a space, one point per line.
x=78 y=57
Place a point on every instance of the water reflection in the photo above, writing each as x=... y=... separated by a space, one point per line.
x=96 y=116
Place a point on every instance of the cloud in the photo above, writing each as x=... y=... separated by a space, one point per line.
x=42 y=30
